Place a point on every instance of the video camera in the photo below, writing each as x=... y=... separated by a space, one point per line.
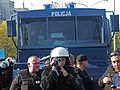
x=57 y=62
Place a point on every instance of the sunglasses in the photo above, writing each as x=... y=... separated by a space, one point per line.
x=114 y=54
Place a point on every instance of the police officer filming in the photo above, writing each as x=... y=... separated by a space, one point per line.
x=60 y=75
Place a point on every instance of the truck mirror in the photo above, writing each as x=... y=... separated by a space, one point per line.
x=114 y=20
x=11 y=28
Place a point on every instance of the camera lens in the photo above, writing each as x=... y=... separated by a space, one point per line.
x=59 y=59
x=55 y=63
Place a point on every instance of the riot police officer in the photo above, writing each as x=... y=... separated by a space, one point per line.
x=6 y=73
x=28 y=79
x=60 y=75
x=81 y=65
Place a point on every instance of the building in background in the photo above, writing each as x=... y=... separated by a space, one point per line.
x=6 y=9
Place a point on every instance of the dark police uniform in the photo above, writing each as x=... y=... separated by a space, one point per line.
x=89 y=84
x=51 y=81
x=25 y=81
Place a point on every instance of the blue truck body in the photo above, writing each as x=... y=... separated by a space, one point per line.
x=80 y=30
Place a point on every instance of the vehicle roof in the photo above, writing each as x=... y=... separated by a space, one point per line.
x=74 y=12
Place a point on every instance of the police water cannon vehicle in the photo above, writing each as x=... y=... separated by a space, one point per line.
x=80 y=30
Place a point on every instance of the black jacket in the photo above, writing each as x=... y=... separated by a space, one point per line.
x=89 y=83
x=51 y=81
x=24 y=81
x=6 y=77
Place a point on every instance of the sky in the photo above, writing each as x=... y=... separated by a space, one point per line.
x=102 y=4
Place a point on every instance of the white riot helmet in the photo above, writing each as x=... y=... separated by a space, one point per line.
x=13 y=61
x=59 y=52
x=4 y=64
x=10 y=60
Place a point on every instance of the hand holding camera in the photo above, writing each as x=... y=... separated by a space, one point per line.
x=56 y=62
x=64 y=72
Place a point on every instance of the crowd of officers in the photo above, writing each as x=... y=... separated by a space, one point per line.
x=61 y=73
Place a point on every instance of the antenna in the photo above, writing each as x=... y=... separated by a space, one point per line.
x=31 y=5
x=23 y=3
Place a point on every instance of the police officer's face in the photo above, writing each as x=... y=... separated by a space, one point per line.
x=82 y=64
x=34 y=65
x=115 y=60
x=62 y=61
